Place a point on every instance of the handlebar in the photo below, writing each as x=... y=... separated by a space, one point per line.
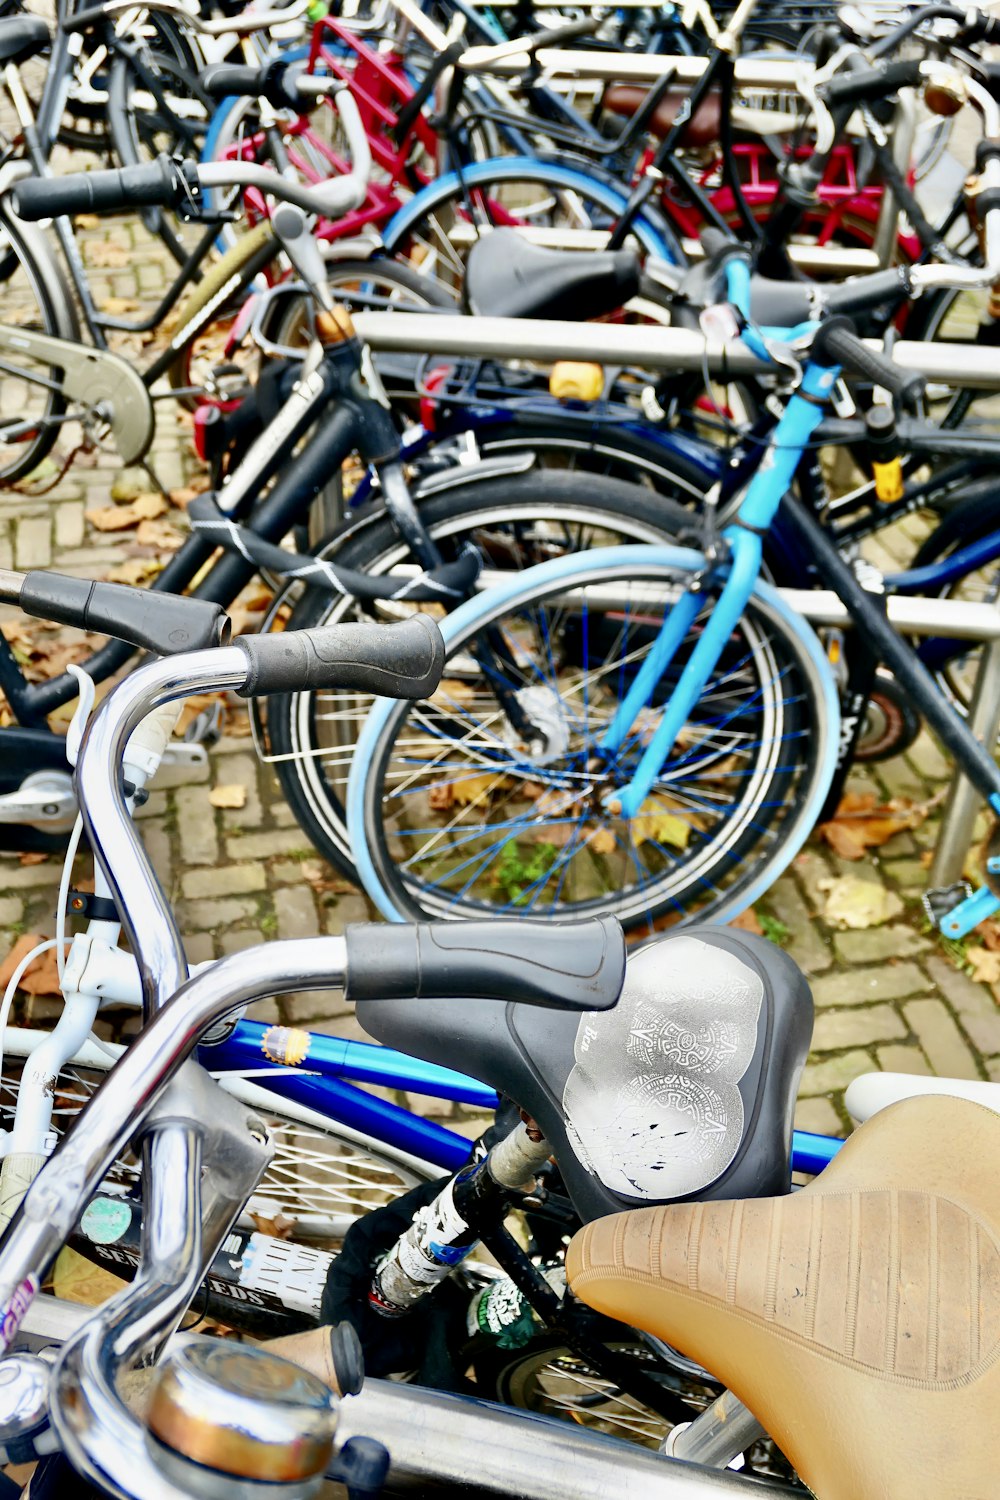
x=480 y=59
x=285 y=85
x=243 y=24
x=837 y=343
x=167 y=183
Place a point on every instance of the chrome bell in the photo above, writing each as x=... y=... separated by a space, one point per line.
x=230 y=1422
x=24 y=1404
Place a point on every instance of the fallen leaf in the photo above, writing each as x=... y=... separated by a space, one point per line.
x=136 y=571
x=123 y=517
x=157 y=533
x=655 y=822
x=985 y=964
x=852 y=902
x=989 y=934
x=474 y=788
x=441 y=796
x=602 y=841
x=747 y=922
x=32 y=859
x=105 y=255
x=182 y=498
x=40 y=977
x=116 y=307
x=860 y=823
x=228 y=796
x=78 y=1280
x=278 y=1228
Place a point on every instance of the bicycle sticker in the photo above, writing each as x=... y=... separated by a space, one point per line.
x=651 y=1103
x=12 y=1316
x=106 y=1220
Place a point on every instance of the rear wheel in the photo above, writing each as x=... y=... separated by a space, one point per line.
x=31 y=398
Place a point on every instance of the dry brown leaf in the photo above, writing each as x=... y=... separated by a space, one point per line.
x=279 y=1227
x=602 y=841
x=441 y=797
x=474 y=788
x=136 y=571
x=78 y=1280
x=105 y=255
x=40 y=977
x=32 y=859
x=860 y=823
x=160 y=534
x=182 y=498
x=989 y=934
x=747 y=922
x=123 y=517
x=234 y=795
x=985 y=964
x=116 y=307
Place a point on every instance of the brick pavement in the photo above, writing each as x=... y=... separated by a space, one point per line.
x=892 y=996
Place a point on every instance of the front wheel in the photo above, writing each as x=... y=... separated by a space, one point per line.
x=456 y=810
x=515 y=522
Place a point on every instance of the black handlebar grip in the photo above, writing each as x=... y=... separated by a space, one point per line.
x=162 y=623
x=223 y=79
x=871 y=84
x=577 y=966
x=867 y=292
x=837 y=343
x=161 y=182
x=393 y=661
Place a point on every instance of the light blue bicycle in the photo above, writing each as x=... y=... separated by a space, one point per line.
x=678 y=723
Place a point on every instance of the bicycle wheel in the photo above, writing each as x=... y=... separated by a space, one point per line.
x=319 y=1181
x=552 y=200
x=550 y=1379
x=34 y=297
x=452 y=811
x=515 y=522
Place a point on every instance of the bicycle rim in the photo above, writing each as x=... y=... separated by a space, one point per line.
x=463 y=817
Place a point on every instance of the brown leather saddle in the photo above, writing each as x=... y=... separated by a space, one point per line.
x=858 y=1319
x=625 y=100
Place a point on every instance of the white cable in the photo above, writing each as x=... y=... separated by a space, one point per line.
x=11 y=990
x=63 y=898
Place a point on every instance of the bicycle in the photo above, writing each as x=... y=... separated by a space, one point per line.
x=636 y=665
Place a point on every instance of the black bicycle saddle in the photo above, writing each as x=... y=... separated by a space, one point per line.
x=507 y=276
x=686 y=1089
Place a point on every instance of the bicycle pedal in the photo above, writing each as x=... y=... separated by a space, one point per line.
x=943 y=900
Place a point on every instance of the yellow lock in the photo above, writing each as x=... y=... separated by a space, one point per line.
x=576 y=380
x=888 y=480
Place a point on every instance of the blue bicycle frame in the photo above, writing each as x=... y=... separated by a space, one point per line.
x=319 y=1083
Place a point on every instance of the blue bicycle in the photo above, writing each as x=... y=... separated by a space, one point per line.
x=684 y=722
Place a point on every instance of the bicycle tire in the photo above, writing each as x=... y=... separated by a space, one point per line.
x=731 y=807
x=31 y=300
x=311 y=786
x=345 y=1182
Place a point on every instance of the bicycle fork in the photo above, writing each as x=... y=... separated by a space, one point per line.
x=744 y=542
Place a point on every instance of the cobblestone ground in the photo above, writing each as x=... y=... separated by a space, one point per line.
x=889 y=996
